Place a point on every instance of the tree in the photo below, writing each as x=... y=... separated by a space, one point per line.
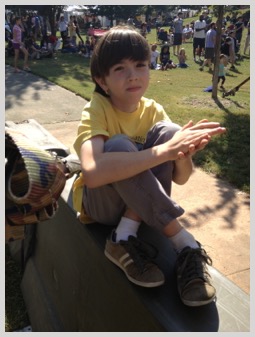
x=115 y=12
x=217 y=50
x=51 y=11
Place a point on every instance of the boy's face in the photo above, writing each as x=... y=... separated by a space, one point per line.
x=126 y=83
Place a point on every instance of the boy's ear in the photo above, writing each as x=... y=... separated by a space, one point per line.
x=101 y=82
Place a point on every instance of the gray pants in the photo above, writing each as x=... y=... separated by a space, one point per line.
x=147 y=193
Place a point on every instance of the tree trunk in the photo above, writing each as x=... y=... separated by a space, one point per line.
x=217 y=51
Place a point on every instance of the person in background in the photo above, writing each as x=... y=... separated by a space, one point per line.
x=187 y=33
x=82 y=50
x=32 y=47
x=78 y=33
x=143 y=29
x=68 y=47
x=63 y=27
x=130 y=152
x=207 y=19
x=72 y=30
x=210 y=41
x=182 y=57
x=130 y=21
x=165 y=61
x=36 y=26
x=199 y=37
x=234 y=47
x=88 y=46
x=222 y=71
x=178 y=29
x=18 y=46
x=154 y=56
x=238 y=28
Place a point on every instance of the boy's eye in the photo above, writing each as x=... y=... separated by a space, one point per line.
x=118 y=68
x=141 y=64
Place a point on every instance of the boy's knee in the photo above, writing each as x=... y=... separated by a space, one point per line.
x=119 y=143
x=164 y=130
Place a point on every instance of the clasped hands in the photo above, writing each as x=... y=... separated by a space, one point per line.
x=193 y=137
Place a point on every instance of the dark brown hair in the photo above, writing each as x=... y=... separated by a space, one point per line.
x=117 y=44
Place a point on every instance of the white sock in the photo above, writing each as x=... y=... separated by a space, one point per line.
x=183 y=239
x=125 y=228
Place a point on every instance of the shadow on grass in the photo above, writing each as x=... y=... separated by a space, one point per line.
x=231 y=154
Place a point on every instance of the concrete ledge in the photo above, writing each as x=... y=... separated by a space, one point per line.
x=69 y=285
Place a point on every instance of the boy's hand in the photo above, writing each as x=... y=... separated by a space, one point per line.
x=192 y=138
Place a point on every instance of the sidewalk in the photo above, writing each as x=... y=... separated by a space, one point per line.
x=216 y=214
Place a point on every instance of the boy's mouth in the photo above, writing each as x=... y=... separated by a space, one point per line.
x=133 y=89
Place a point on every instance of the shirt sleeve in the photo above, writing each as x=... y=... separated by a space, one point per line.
x=93 y=123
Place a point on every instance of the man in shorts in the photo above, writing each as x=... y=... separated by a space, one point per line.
x=210 y=41
x=178 y=28
x=199 y=36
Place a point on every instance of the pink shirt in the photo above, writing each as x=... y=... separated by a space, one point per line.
x=17 y=34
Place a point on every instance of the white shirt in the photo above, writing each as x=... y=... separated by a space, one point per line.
x=201 y=34
x=187 y=30
x=154 y=56
x=62 y=26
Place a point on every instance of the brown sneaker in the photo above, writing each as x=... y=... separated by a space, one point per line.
x=134 y=258
x=193 y=278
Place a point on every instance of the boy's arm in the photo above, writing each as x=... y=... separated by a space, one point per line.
x=182 y=170
x=184 y=164
x=101 y=168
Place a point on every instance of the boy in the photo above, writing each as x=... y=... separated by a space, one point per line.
x=130 y=153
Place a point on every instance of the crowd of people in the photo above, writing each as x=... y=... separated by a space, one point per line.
x=201 y=33
x=29 y=38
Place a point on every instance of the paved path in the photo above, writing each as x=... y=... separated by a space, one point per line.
x=217 y=214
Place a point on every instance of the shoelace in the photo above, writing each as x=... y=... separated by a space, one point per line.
x=141 y=252
x=192 y=264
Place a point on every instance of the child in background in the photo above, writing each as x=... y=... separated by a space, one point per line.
x=222 y=72
x=182 y=59
x=88 y=46
x=82 y=50
x=154 y=56
x=32 y=47
x=165 y=61
x=130 y=153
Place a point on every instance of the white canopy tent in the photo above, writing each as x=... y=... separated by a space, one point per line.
x=76 y=8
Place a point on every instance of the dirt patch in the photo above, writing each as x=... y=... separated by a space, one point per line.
x=206 y=101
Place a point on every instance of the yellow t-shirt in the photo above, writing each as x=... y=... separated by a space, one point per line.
x=99 y=117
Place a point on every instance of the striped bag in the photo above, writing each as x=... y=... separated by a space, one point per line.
x=34 y=180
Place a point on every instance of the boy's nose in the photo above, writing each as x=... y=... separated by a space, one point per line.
x=132 y=74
